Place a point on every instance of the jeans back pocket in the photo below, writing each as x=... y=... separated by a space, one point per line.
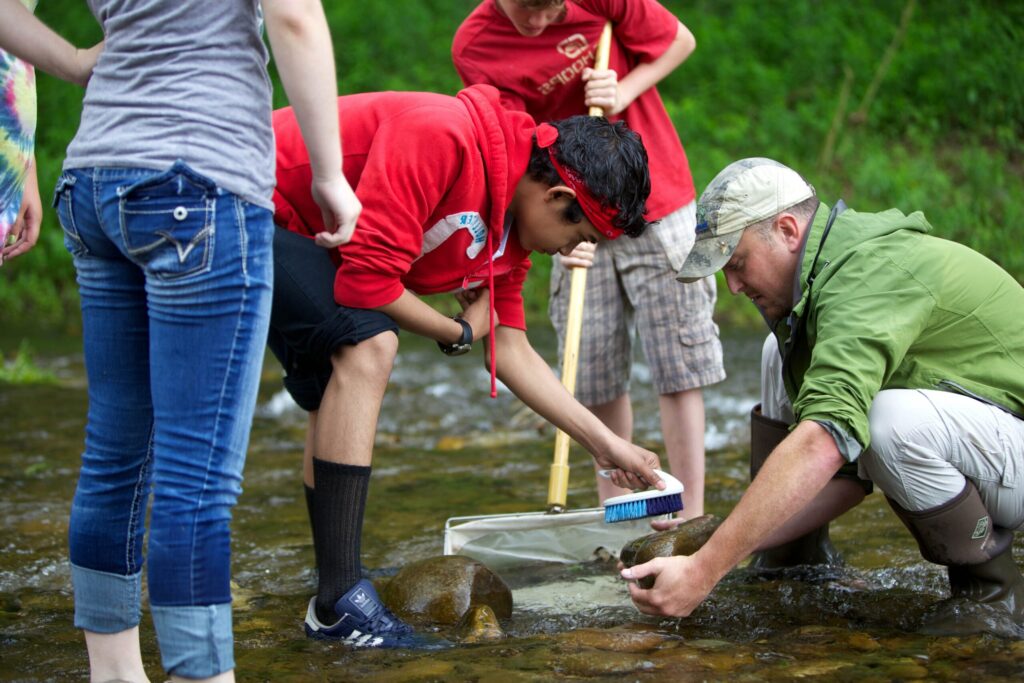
x=63 y=202
x=167 y=222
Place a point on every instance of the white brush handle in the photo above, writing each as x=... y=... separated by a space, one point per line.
x=672 y=485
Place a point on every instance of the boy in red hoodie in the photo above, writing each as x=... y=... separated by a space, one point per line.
x=456 y=192
x=540 y=54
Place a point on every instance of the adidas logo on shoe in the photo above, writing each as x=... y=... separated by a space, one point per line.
x=362 y=601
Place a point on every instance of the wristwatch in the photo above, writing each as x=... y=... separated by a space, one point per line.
x=465 y=342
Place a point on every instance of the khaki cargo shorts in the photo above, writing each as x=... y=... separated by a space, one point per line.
x=632 y=286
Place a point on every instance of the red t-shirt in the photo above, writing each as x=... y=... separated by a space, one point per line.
x=542 y=75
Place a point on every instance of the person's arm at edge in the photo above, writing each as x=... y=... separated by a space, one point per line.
x=27 y=37
x=301 y=42
x=30 y=217
x=790 y=478
x=530 y=378
x=641 y=78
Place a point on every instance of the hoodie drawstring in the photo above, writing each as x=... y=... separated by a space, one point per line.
x=490 y=296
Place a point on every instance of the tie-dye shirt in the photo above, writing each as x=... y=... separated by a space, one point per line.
x=17 y=133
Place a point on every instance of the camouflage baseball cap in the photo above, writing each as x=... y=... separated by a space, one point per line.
x=744 y=193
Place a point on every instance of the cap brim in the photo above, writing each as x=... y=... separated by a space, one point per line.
x=708 y=256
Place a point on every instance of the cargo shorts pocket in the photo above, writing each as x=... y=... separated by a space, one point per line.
x=675 y=242
x=167 y=222
x=698 y=333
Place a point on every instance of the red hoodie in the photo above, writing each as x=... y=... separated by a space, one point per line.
x=435 y=175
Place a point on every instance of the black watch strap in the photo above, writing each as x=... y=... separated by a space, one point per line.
x=465 y=342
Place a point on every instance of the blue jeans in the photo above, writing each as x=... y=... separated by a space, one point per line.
x=175 y=280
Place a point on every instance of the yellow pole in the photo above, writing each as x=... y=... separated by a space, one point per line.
x=558 y=483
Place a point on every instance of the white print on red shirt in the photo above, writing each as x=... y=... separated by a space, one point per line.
x=573 y=46
x=571 y=72
x=449 y=225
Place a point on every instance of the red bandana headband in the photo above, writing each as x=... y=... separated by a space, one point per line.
x=600 y=216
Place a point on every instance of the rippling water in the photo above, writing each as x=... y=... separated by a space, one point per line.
x=445 y=449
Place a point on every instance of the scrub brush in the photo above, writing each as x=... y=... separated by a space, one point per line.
x=649 y=503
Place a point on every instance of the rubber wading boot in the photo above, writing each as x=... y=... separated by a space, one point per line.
x=979 y=559
x=814 y=547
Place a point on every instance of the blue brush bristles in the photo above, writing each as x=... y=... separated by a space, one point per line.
x=638 y=509
x=645 y=503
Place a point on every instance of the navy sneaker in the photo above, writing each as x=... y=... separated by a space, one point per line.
x=364 y=621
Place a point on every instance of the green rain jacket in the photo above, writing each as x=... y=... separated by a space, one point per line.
x=891 y=307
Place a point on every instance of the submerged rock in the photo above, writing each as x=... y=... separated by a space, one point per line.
x=479 y=625
x=597 y=663
x=443 y=589
x=684 y=539
x=615 y=640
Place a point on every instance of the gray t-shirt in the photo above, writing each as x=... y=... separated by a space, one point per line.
x=181 y=80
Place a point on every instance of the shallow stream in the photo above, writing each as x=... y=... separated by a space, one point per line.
x=444 y=449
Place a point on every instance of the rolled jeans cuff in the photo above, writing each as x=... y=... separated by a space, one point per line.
x=195 y=641
x=106 y=602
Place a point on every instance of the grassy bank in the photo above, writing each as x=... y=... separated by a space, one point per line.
x=914 y=105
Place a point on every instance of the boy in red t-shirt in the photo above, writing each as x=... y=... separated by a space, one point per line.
x=456 y=192
x=539 y=53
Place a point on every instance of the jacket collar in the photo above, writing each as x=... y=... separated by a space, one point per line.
x=811 y=262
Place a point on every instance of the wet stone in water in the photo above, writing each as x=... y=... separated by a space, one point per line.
x=441 y=590
x=616 y=640
x=862 y=642
x=906 y=671
x=479 y=625
x=684 y=539
x=597 y=663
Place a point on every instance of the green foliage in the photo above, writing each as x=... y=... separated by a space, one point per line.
x=21 y=369
x=933 y=121
x=404 y=45
x=943 y=133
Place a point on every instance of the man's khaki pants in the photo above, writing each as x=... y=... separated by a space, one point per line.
x=924 y=443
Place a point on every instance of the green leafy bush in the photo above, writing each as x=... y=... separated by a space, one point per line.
x=933 y=116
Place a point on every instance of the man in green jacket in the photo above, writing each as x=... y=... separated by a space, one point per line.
x=893 y=350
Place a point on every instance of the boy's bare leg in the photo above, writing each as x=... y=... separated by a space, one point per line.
x=347 y=420
x=682 y=428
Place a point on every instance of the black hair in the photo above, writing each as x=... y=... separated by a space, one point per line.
x=612 y=161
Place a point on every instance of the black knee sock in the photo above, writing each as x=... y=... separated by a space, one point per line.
x=312 y=527
x=338 y=501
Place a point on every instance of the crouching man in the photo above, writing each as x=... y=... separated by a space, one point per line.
x=895 y=350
